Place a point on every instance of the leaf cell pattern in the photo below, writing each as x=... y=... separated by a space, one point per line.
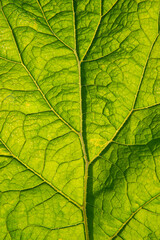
x=79 y=120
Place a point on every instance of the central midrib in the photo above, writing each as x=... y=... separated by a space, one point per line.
x=86 y=161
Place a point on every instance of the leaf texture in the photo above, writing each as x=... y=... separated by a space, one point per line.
x=79 y=120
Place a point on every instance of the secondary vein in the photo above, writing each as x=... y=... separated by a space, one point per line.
x=134 y=103
x=44 y=16
x=34 y=80
x=98 y=25
x=133 y=214
x=40 y=176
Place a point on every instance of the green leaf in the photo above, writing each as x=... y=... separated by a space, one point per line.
x=79 y=120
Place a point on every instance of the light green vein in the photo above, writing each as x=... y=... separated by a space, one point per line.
x=110 y=9
x=133 y=214
x=98 y=25
x=9 y=60
x=40 y=176
x=33 y=79
x=44 y=16
x=94 y=33
x=134 y=103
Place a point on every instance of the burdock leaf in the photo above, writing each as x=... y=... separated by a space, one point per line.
x=79 y=120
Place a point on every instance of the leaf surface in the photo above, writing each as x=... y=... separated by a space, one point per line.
x=79 y=120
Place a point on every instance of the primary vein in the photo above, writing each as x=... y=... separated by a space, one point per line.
x=81 y=133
